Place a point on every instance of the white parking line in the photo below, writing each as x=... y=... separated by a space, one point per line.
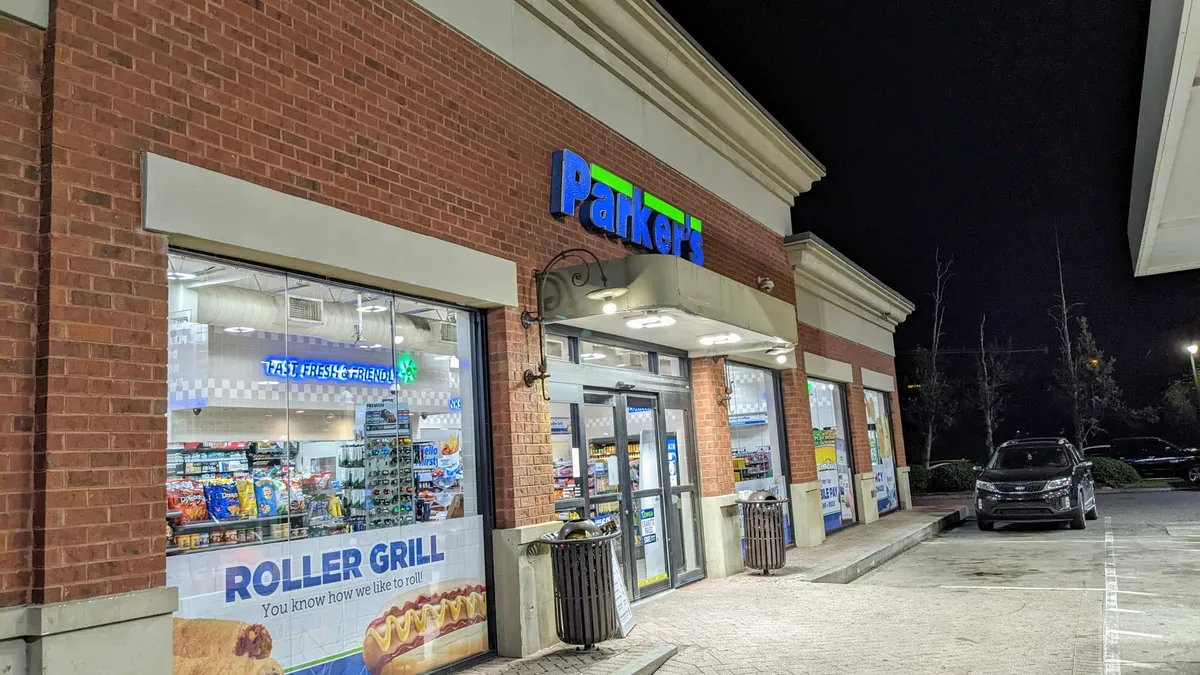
x=1112 y=646
x=1126 y=611
x=1042 y=588
x=1135 y=664
x=1145 y=635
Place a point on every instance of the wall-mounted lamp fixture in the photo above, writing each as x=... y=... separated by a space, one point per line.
x=578 y=279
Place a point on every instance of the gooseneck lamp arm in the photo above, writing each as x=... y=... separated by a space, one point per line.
x=578 y=279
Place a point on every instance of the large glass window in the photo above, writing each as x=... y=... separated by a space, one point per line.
x=754 y=433
x=321 y=441
x=835 y=470
x=883 y=456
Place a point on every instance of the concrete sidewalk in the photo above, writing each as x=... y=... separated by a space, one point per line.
x=726 y=612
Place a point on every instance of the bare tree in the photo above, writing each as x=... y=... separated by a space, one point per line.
x=933 y=408
x=1085 y=374
x=992 y=378
x=1068 y=374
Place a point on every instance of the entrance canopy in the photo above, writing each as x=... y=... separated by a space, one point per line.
x=674 y=303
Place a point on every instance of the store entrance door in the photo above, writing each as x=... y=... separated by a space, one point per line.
x=627 y=469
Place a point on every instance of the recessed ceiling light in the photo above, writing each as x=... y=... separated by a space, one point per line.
x=372 y=309
x=398 y=339
x=610 y=308
x=592 y=356
x=180 y=276
x=650 y=321
x=299 y=412
x=782 y=358
x=239 y=329
x=720 y=339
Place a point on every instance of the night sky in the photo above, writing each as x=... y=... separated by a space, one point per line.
x=977 y=128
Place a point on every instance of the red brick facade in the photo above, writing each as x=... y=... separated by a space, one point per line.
x=713 y=441
x=374 y=108
x=20 y=112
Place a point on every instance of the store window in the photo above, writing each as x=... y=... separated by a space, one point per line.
x=321 y=441
x=597 y=354
x=883 y=456
x=671 y=366
x=754 y=432
x=835 y=470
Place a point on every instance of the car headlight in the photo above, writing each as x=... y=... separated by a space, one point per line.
x=1058 y=483
x=986 y=486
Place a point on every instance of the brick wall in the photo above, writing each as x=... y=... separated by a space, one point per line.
x=20 y=112
x=797 y=419
x=816 y=341
x=372 y=107
x=713 y=442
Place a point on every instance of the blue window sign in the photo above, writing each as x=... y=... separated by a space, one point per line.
x=455 y=403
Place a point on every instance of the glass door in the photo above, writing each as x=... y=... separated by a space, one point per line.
x=647 y=518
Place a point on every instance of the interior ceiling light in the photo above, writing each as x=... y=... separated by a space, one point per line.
x=299 y=412
x=592 y=356
x=398 y=339
x=180 y=276
x=720 y=339
x=269 y=383
x=372 y=309
x=374 y=346
x=239 y=329
x=650 y=321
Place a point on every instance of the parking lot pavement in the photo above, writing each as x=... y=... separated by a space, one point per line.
x=1127 y=584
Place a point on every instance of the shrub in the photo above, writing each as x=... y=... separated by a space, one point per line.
x=1113 y=472
x=918 y=479
x=953 y=477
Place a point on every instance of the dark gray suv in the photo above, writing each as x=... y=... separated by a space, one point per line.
x=1035 y=480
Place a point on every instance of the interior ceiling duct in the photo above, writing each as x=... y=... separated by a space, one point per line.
x=226 y=306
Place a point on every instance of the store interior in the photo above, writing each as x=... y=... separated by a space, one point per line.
x=754 y=435
x=301 y=408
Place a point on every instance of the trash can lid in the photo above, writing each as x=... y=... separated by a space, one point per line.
x=579 y=529
x=760 y=496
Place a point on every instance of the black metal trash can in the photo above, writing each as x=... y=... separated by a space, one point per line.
x=585 y=609
x=762 y=527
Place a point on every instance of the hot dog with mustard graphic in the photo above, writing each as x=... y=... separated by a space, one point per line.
x=421 y=630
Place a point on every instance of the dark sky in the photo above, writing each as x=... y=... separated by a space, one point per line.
x=976 y=127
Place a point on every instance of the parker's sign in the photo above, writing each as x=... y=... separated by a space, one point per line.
x=610 y=204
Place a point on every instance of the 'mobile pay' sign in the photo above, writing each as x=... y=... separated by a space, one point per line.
x=610 y=204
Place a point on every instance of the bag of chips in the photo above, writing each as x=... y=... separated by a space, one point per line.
x=282 y=501
x=264 y=493
x=246 y=501
x=188 y=496
x=223 y=500
x=296 y=500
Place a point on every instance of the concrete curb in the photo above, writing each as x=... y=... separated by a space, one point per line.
x=649 y=662
x=847 y=573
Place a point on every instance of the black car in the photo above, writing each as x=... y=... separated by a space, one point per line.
x=1153 y=457
x=1035 y=480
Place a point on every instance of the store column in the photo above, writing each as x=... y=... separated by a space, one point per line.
x=523 y=489
x=718 y=510
x=902 y=484
x=864 y=483
x=805 y=490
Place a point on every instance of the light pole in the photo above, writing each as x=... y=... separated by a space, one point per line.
x=1192 y=349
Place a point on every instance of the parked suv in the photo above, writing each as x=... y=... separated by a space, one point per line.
x=1153 y=457
x=1035 y=479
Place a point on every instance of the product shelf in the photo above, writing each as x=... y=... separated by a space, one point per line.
x=233 y=523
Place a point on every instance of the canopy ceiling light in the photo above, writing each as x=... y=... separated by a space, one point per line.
x=651 y=320
x=720 y=339
x=180 y=276
x=578 y=279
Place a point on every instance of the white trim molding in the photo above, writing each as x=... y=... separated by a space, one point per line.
x=828 y=369
x=821 y=270
x=627 y=65
x=659 y=59
x=36 y=12
x=877 y=381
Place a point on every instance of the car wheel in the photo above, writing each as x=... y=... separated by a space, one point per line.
x=1094 y=513
x=1193 y=474
x=985 y=524
x=1078 y=519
